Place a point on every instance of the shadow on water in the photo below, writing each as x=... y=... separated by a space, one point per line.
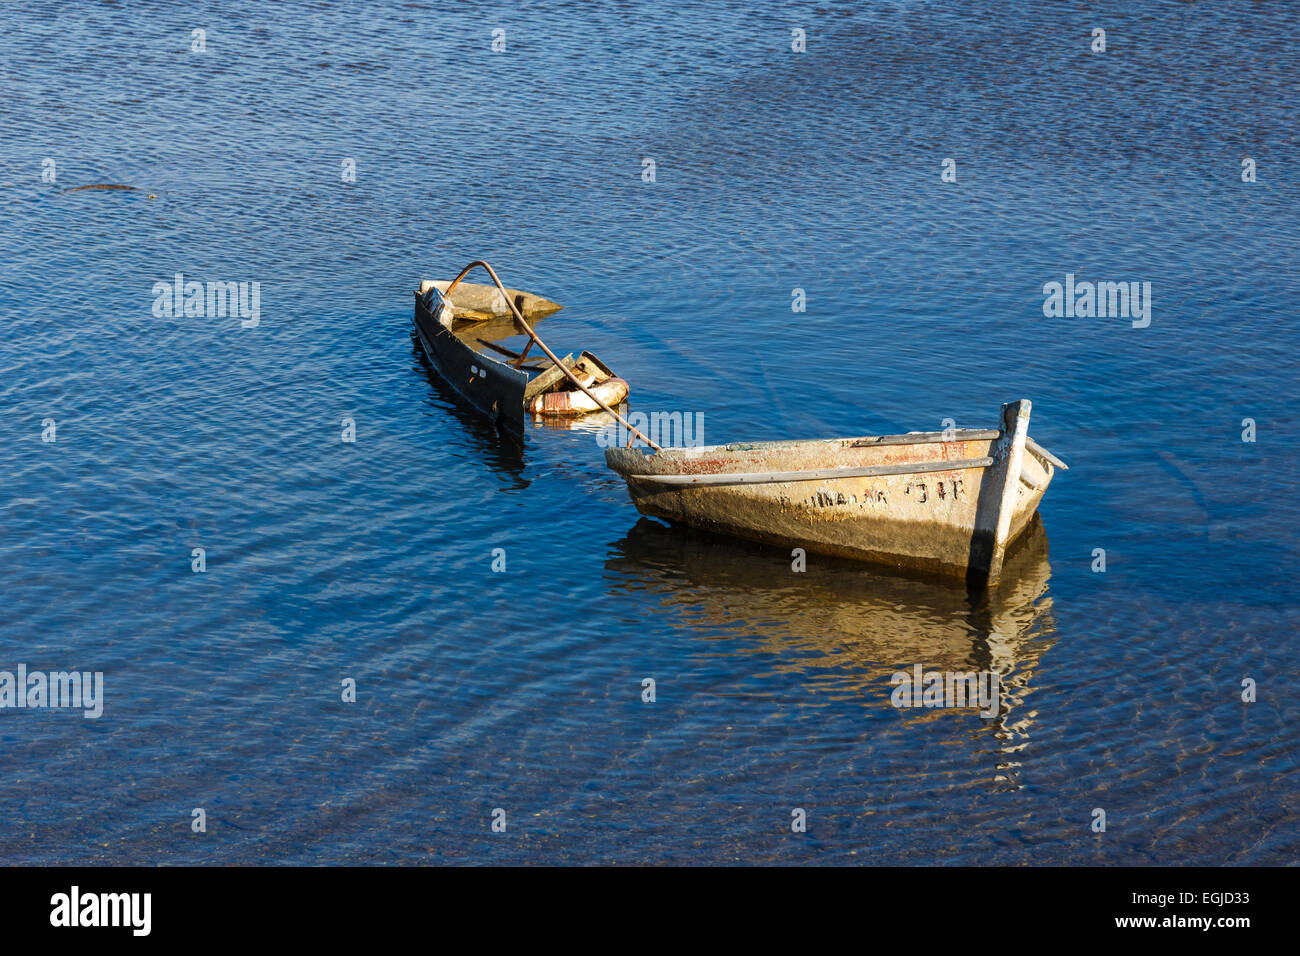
x=496 y=447
x=845 y=628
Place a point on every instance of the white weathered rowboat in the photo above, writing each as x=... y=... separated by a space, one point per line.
x=946 y=503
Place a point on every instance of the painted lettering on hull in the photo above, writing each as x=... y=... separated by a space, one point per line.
x=825 y=498
x=925 y=492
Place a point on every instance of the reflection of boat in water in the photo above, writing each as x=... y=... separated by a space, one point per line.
x=501 y=451
x=846 y=633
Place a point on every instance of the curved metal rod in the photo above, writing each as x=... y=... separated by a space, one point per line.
x=542 y=345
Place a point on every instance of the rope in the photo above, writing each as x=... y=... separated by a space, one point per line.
x=533 y=337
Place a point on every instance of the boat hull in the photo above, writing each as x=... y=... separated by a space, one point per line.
x=492 y=387
x=949 y=521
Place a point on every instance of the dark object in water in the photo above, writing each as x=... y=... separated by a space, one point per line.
x=108 y=187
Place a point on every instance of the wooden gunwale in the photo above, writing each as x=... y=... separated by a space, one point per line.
x=1032 y=483
x=821 y=474
x=868 y=441
x=922 y=438
x=1044 y=454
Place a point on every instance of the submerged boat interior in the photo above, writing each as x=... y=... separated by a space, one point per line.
x=482 y=319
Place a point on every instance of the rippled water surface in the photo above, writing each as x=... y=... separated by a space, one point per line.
x=774 y=170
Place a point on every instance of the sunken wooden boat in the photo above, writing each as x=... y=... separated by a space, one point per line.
x=457 y=323
x=943 y=503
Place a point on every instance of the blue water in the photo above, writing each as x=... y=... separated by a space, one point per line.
x=521 y=690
